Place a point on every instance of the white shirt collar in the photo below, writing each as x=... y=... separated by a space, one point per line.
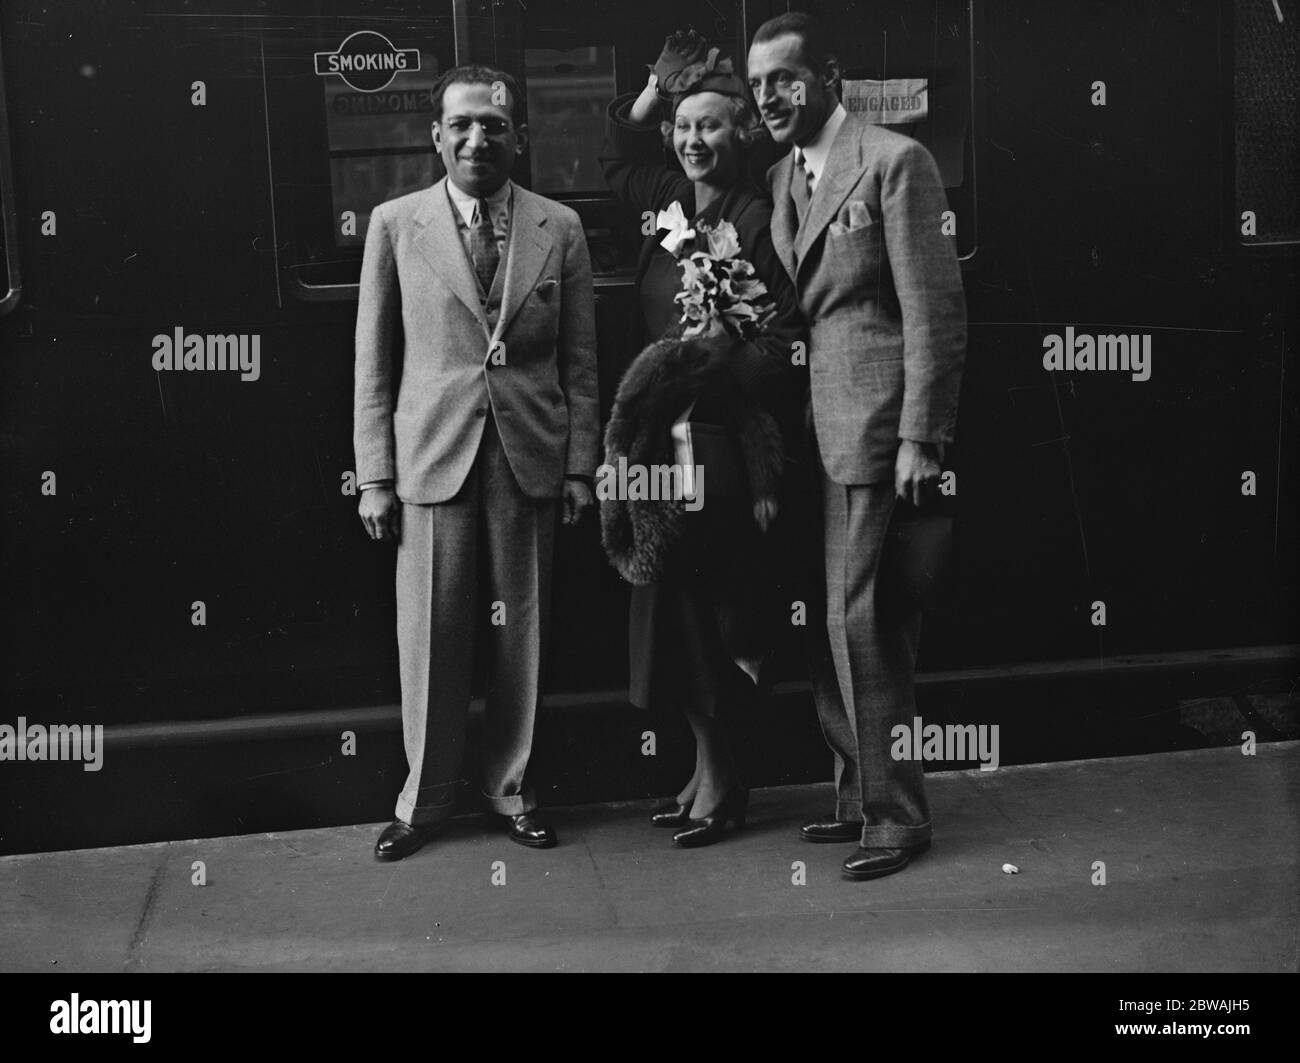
x=817 y=150
x=498 y=203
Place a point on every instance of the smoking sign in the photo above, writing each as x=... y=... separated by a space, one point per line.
x=367 y=61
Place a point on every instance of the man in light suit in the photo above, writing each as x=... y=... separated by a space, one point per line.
x=857 y=222
x=475 y=415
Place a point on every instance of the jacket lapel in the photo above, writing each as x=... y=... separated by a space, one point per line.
x=785 y=224
x=843 y=170
x=440 y=243
x=527 y=249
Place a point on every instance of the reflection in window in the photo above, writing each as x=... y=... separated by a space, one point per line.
x=568 y=91
x=380 y=144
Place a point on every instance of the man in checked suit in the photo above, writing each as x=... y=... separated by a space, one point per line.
x=475 y=417
x=857 y=222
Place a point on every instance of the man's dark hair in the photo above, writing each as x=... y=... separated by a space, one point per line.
x=816 y=45
x=474 y=74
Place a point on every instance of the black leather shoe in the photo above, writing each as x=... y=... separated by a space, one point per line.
x=400 y=839
x=529 y=828
x=830 y=829
x=671 y=815
x=712 y=827
x=876 y=863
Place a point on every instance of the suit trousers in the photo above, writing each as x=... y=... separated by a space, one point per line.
x=480 y=561
x=862 y=665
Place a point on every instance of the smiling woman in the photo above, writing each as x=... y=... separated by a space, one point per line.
x=701 y=622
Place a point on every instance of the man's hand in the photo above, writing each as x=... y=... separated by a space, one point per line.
x=381 y=513
x=917 y=471
x=764 y=512
x=577 y=499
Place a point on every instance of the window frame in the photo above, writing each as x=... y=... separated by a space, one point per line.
x=290 y=265
x=8 y=207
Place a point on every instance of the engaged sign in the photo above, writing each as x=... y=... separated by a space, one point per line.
x=896 y=101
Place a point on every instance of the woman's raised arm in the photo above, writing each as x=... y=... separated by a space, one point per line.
x=633 y=156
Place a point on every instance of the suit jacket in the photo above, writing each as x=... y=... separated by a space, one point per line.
x=881 y=289
x=428 y=365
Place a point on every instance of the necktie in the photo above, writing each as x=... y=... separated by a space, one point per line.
x=483 y=247
x=800 y=185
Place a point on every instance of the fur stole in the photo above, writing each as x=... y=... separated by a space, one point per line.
x=660 y=383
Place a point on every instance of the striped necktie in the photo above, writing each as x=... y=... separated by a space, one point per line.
x=483 y=247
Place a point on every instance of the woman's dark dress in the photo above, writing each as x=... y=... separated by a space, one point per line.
x=720 y=597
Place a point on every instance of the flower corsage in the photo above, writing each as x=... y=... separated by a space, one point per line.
x=720 y=291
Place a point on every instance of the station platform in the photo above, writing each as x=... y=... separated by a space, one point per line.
x=1200 y=854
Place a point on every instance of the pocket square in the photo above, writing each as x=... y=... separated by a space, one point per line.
x=547 y=286
x=839 y=229
x=859 y=216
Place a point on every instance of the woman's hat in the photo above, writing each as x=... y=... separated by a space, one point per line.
x=687 y=65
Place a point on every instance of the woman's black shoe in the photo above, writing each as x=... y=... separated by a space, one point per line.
x=673 y=815
x=712 y=827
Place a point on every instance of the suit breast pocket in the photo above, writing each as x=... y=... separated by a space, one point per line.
x=855 y=216
x=854 y=255
x=539 y=316
x=858 y=214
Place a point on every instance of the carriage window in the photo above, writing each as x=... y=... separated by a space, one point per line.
x=568 y=90
x=380 y=146
x=349 y=114
x=572 y=57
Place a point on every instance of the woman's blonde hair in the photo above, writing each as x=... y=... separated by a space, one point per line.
x=744 y=120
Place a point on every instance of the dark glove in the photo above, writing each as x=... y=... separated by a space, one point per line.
x=680 y=51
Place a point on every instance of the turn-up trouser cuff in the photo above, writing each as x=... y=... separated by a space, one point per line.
x=894 y=836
